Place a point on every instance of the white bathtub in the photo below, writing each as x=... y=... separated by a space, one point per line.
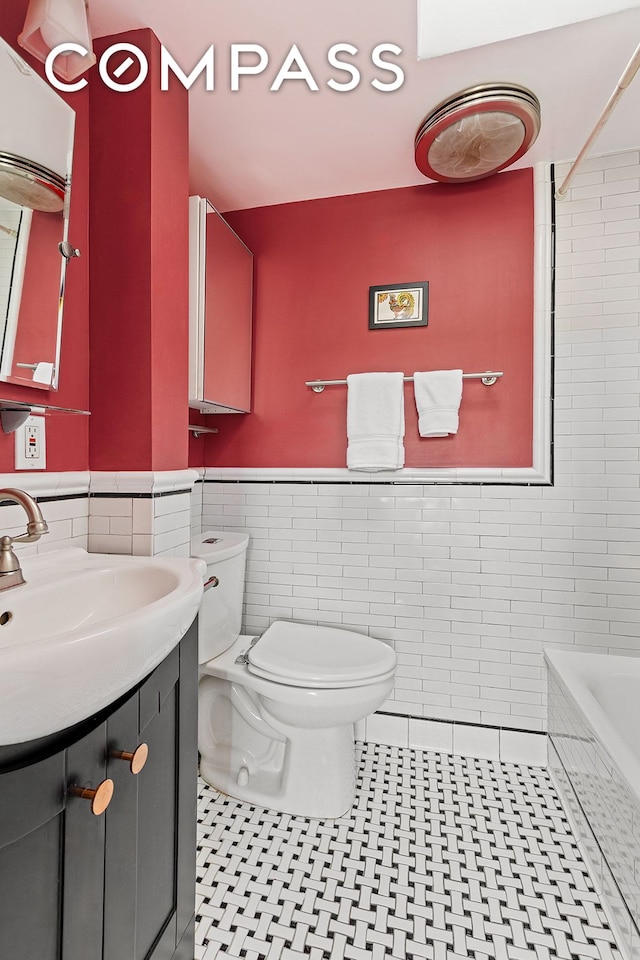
x=594 y=757
x=607 y=691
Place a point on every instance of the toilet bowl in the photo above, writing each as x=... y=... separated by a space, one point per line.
x=276 y=712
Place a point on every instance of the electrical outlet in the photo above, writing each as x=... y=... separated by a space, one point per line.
x=31 y=445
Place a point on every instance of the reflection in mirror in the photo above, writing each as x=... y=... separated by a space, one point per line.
x=36 y=144
x=30 y=284
x=14 y=233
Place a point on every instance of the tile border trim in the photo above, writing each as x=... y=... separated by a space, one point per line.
x=130 y=482
x=481 y=741
x=461 y=723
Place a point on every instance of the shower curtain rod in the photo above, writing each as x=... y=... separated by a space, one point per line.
x=629 y=73
x=489 y=377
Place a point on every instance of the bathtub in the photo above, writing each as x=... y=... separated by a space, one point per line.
x=594 y=758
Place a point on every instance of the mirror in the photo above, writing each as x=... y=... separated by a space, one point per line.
x=220 y=311
x=36 y=150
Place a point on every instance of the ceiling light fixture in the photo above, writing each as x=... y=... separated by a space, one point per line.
x=477 y=132
x=50 y=23
x=30 y=184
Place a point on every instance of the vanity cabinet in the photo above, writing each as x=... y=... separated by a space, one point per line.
x=121 y=885
x=220 y=313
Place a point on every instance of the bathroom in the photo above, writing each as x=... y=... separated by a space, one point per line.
x=469 y=581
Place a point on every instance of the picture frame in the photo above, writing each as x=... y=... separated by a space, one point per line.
x=397 y=305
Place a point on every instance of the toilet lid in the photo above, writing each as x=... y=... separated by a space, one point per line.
x=304 y=655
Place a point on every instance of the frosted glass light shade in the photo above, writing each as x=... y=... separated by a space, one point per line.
x=476 y=145
x=477 y=132
x=51 y=22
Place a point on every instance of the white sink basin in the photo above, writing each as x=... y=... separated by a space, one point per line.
x=84 y=629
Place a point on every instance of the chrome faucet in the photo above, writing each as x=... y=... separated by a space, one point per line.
x=10 y=572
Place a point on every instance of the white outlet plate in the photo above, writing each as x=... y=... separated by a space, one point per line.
x=31 y=448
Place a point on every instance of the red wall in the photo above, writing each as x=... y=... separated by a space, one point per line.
x=138 y=204
x=137 y=201
x=67 y=436
x=314 y=263
x=139 y=281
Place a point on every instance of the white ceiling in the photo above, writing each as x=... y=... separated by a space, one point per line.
x=445 y=28
x=257 y=147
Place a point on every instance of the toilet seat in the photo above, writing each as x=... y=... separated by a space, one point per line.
x=305 y=655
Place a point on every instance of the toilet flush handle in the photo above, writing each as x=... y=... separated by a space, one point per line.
x=211 y=582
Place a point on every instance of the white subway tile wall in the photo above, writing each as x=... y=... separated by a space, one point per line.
x=67 y=519
x=196 y=508
x=142 y=526
x=469 y=583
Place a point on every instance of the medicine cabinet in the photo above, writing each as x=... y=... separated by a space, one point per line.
x=220 y=313
x=36 y=150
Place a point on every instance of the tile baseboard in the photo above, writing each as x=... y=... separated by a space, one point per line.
x=447 y=736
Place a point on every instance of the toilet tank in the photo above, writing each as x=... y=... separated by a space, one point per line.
x=220 y=616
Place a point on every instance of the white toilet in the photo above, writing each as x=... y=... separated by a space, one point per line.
x=276 y=712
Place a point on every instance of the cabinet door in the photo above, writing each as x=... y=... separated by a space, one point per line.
x=228 y=317
x=31 y=830
x=220 y=313
x=121 y=886
x=84 y=837
x=187 y=791
x=49 y=838
x=142 y=824
x=121 y=820
x=157 y=812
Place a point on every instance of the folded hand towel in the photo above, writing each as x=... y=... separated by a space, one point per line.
x=375 y=421
x=438 y=394
x=43 y=373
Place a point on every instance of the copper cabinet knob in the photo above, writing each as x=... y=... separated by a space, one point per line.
x=100 y=797
x=136 y=760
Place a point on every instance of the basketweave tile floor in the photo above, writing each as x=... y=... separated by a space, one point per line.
x=442 y=857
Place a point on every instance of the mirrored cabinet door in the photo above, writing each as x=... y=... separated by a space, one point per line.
x=36 y=152
x=220 y=308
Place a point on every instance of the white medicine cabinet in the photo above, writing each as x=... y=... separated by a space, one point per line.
x=36 y=158
x=220 y=313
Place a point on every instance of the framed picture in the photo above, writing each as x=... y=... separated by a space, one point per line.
x=399 y=305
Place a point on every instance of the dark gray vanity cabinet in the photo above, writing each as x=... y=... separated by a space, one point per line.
x=121 y=885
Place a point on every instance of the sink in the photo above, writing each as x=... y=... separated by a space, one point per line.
x=85 y=629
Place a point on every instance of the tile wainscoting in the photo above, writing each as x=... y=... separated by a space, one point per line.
x=152 y=515
x=144 y=514
x=64 y=501
x=139 y=513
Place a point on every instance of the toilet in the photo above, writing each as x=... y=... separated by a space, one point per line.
x=276 y=713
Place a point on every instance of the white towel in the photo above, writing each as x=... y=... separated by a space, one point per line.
x=43 y=372
x=438 y=394
x=375 y=421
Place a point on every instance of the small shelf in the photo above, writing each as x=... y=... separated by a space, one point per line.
x=196 y=429
x=13 y=413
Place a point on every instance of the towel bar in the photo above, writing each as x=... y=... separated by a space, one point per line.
x=489 y=377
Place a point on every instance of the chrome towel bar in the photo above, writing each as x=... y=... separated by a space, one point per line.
x=489 y=377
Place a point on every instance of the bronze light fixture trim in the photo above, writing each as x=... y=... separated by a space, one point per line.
x=477 y=132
